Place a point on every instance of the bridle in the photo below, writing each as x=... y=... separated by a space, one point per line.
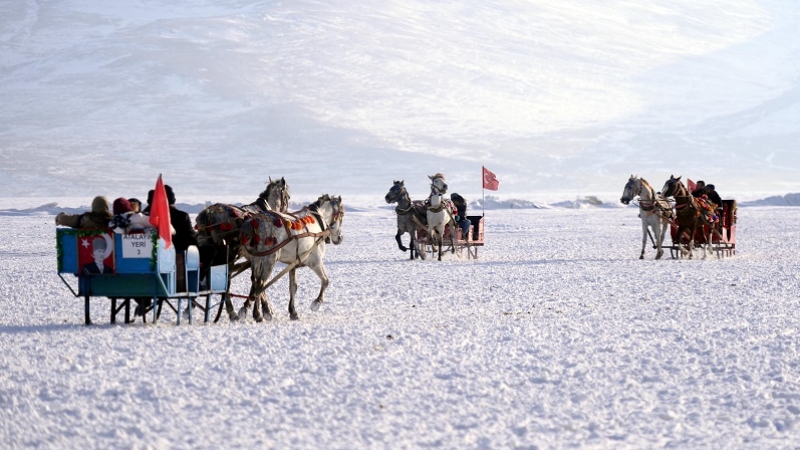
x=400 y=193
x=436 y=190
x=679 y=191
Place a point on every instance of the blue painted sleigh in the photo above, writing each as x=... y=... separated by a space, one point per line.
x=141 y=268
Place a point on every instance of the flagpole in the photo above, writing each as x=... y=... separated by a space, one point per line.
x=483 y=189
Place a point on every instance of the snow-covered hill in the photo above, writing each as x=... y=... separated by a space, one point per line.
x=343 y=96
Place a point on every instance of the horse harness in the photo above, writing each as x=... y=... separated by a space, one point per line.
x=324 y=233
x=410 y=210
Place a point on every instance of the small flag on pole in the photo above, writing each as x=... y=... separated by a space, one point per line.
x=159 y=213
x=490 y=180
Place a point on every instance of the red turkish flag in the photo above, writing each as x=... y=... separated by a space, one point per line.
x=489 y=180
x=691 y=185
x=159 y=213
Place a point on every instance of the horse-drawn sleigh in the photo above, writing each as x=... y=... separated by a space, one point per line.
x=691 y=222
x=255 y=237
x=431 y=225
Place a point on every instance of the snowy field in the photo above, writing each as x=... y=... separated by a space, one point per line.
x=557 y=337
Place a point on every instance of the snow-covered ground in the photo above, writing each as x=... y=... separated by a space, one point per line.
x=556 y=337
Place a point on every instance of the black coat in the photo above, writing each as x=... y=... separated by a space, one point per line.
x=91 y=268
x=714 y=198
x=185 y=235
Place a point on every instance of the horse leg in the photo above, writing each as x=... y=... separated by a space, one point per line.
x=292 y=291
x=440 y=240
x=251 y=296
x=398 y=237
x=681 y=230
x=413 y=245
x=261 y=270
x=319 y=269
x=707 y=248
x=691 y=240
x=661 y=231
x=232 y=316
x=454 y=228
x=644 y=237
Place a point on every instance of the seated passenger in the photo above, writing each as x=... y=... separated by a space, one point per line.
x=461 y=214
x=713 y=196
x=136 y=204
x=98 y=217
x=126 y=220
x=698 y=190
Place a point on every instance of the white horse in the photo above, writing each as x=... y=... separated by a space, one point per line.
x=654 y=210
x=440 y=214
x=296 y=239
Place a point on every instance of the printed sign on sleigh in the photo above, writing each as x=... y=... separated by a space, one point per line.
x=137 y=245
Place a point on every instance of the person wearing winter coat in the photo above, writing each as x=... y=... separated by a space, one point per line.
x=713 y=196
x=461 y=214
x=126 y=220
x=98 y=217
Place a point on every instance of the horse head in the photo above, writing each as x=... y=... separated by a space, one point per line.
x=331 y=211
x=672 y=187
x=438 y=186
x=632 y=188
x=395 y=192
x=277 y=195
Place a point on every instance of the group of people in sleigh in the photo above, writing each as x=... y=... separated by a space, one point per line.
x=708 y=200
x=127 y=216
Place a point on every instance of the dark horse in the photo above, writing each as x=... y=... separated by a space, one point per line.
x=411 y=216
x=221 y=224
x=689 y=215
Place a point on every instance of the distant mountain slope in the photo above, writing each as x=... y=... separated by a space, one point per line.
x=346 y=96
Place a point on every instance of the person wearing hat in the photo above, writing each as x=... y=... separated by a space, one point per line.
x=136 y=204
x=98 y=217
x=97 y=266
x=126 y=220
x=184 y=234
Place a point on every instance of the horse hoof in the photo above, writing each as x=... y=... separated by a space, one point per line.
x=243 y=314
x=404 y=249
x=641 y=257
x=294 y=316
x=315 y=305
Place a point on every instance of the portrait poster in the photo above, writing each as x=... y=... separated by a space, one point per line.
x=96 y=253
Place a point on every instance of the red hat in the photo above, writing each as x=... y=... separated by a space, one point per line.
x=121 y=206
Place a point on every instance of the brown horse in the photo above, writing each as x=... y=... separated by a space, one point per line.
x=689 y=215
